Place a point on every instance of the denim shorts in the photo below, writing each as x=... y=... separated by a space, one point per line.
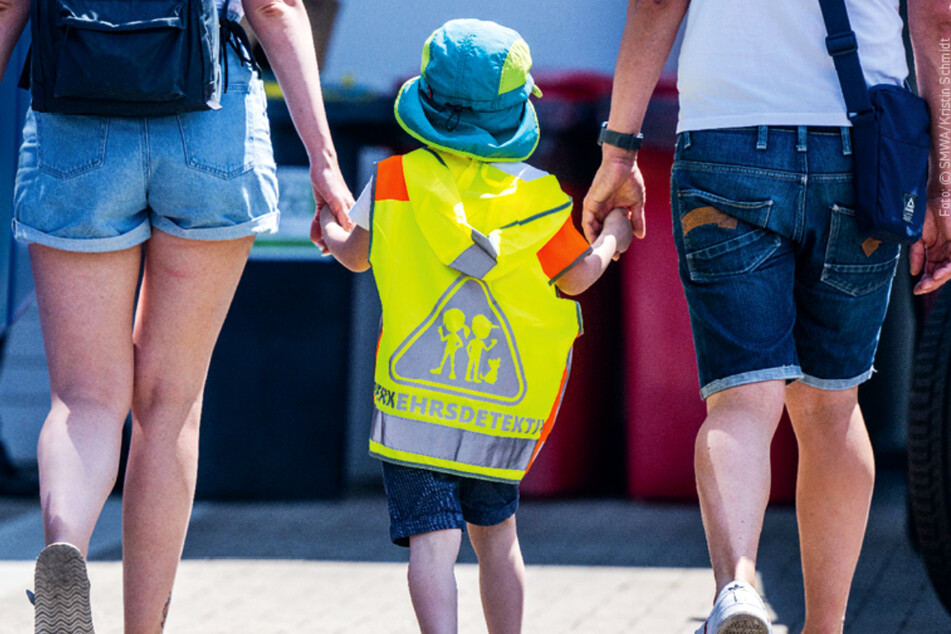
x=779 y=281
x=89 y=183
x=421 y=501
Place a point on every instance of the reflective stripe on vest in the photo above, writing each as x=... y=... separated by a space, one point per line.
x=475 y=344
x=400 y=438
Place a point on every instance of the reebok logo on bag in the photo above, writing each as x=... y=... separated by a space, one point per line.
x=909 y=213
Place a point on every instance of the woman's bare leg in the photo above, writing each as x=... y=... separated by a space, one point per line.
x=85 y=302
x=187 y=289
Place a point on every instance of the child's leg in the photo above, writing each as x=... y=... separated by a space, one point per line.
x=432 y=582
x=501 y=575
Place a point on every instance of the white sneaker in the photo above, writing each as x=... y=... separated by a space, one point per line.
x=738 y=610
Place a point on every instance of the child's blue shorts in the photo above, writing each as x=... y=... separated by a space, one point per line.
x=422 y=501
x=92 y=184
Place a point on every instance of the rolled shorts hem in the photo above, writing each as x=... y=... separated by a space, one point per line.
x=402 y=531
x=785 y=372
x=837 y=384
x=27 y=234
x=268 y=223
x=490 y=518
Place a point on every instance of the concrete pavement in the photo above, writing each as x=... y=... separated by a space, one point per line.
x=593 y=566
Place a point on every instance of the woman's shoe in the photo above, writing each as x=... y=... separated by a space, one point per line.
x=61 y=592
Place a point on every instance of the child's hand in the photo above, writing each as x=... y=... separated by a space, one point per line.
x=330 y=227
x=350 y=246
x=618 y=224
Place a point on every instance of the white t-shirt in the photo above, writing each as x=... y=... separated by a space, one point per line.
x=764 y=62
x=360 y=212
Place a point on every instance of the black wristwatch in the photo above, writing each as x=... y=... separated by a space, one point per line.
x=623 y=141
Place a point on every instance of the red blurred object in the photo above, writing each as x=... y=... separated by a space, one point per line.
x=572 y=86
x=584 y=451
x=662 y=395
x=584 y=454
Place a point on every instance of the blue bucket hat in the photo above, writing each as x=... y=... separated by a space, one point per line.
x=471 y=97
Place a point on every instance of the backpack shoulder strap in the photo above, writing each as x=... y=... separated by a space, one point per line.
x=24 y=81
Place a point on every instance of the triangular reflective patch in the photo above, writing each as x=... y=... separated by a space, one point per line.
x=464 y=346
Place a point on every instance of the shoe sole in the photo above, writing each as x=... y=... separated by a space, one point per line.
x=743 y=624
x=61 y=586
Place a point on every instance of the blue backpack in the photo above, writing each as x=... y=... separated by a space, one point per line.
x=125 y=58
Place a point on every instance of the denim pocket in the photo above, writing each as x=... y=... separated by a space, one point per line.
x=716 y=242
x=856 y=264
x=68 y=146
x=220 y=142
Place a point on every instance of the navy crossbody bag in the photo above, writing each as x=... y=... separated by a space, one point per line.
x=890 y=140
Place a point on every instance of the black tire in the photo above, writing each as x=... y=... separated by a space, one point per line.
x=929 y=447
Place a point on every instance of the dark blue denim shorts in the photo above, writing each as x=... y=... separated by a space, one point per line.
x=779 y=281
x=421 y=501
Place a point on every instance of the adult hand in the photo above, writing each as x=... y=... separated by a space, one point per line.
x=331 y=191
x=618 y=183
x=931 y=256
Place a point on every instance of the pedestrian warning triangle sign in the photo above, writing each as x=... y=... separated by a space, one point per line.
x=464 y=346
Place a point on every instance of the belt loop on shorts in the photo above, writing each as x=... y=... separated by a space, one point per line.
x=802 y=133
x=685 y=136
x=762 y=134
x=846 y=141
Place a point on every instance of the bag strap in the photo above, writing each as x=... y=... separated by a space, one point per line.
x=844 y=49
x=24 y=81
x=233 y=34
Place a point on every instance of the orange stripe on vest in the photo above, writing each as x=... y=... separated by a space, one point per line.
x=550 y=423
x=390 y=183
x=563 y=249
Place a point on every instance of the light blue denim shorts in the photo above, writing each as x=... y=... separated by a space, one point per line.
x=88 y=183
x=779 y=281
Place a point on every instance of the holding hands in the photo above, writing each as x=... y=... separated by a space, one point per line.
x=618 y=225
x=618 y=184
x=332 y=192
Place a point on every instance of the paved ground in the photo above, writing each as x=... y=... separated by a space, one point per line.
x=593 y=566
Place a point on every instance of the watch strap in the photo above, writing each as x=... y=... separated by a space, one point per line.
x=618 y=139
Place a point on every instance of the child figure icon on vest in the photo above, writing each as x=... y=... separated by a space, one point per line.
x=454 y=332
x=481 y=328
x=471 y=250
x=454 y=322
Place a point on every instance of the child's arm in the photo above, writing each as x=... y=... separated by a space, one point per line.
x=352 y=249
x=615 y=237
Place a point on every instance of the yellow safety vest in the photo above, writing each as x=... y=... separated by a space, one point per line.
x=475 y=346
